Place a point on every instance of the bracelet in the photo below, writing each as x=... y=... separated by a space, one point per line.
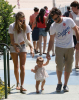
x=77 y=41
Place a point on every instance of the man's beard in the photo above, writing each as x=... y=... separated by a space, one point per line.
x=58 y=20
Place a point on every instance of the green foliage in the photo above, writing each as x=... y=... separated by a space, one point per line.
x=6 y=18
x=2 y=89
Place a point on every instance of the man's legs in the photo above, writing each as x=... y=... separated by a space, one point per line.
x=59 y=74
x=66 y=77
x=59 y=85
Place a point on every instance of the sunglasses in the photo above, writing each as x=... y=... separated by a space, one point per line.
x=56 y=18
x=22 y=20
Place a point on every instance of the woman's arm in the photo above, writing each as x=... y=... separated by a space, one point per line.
x=12 y=42
x=12 y=39
x=46 y=19
x=30 y=45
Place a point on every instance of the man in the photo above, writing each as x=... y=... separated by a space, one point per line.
x=32 y=19
x=66 y=14
x=62 y=29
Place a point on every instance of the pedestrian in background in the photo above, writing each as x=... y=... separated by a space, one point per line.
x=41 y=24
x=66 y=14
x=74 y=14
x=46 y=11
x=32 y=18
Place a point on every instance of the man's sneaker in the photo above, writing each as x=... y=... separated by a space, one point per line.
x=65 y=88
x=58 y=89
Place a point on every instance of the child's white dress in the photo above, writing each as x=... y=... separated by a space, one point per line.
x=41 y=74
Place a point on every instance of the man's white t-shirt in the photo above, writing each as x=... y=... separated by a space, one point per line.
x=19 y=37
x=63 y=33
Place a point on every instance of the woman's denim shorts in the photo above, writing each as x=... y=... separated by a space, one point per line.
x=42 y=32
x=22 y=48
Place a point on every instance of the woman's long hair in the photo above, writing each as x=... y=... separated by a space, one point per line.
x=18 y=28
x=40 y=15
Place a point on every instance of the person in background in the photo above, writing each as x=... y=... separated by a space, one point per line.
x=46 y=11
x=32 y=18
x=41 y=24
x=40 y=73
x=62 y=30
x=66 y=14
x=50 y=20
x=74 y=14
x=18 y=31
x=18 y=3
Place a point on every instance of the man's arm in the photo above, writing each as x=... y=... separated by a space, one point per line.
x=50 y=45
x=77 y=32
x=77 y=36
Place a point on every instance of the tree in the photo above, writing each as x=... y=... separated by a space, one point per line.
x=6 y=18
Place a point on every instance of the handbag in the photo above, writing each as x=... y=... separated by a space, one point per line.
x=49 y=22
x=48 y=25
x=35 y=33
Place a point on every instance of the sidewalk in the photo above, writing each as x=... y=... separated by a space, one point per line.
x=49 y=92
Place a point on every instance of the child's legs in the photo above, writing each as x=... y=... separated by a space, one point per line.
x=42 y=85
x=37 y=85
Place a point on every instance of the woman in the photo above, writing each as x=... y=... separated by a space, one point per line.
x=18 y=32
x=75 y=16
x=41 y=24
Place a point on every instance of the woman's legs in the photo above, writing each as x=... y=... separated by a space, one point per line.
x=22 y=56
x=40 y=42
x=34 y=44
x=16 y=67
x=37 y=46
x=44 y=45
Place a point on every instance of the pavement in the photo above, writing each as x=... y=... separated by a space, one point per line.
x=49 y=92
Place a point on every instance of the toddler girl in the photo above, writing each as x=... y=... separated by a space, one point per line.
x=40 y=73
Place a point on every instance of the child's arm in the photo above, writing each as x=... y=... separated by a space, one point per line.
x=34 y=70
x=46 y=62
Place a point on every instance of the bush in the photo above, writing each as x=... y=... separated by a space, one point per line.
x=6 y=18
x=2 y=89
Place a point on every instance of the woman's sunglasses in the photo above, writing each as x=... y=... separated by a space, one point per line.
x=22 y=20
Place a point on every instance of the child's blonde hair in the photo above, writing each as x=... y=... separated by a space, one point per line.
x=39 y=59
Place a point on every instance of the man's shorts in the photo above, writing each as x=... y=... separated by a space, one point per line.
x=42 y=32
x=64 y=58
x=22 y=48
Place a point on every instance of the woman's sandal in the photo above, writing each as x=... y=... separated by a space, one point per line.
x=18 y=86
x=22 y=89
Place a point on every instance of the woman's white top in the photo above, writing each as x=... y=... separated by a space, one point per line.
x=76 y=19
x=18 y=38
